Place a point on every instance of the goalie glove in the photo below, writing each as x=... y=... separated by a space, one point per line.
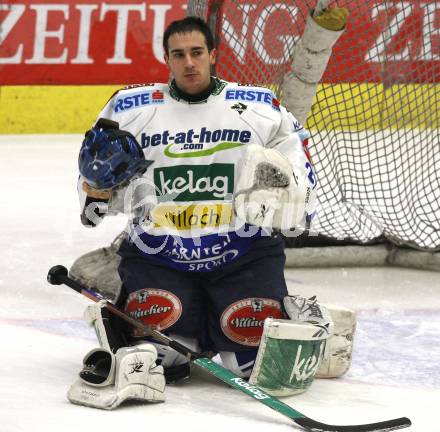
x=107 y=380
x=99 y=269
x=270 y=192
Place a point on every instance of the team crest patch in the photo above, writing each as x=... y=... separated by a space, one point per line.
x=243 y=321
x=239 y=107
x=157 y=308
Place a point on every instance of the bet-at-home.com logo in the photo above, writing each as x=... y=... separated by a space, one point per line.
x=194 y=182
x=196 y=143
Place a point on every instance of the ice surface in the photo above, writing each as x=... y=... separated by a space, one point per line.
x=395 y=369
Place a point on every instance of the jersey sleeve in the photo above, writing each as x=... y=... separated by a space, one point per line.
x=108 y=112
x=291 y=140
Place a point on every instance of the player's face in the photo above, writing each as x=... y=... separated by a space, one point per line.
x=189 y=61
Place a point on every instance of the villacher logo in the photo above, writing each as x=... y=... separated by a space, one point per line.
x=154 y=307
x=243 y=321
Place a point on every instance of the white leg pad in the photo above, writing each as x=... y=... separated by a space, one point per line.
x=339 y=349
x=135 y=376
x=93 y=317
x=169 y=357
x=290 y=351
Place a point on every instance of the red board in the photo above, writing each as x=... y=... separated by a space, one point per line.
x=95 y=42
x=84 y=42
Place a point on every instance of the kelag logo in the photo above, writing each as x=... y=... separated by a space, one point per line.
x=194 y=182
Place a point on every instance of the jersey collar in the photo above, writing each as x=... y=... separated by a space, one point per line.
x=215 y=87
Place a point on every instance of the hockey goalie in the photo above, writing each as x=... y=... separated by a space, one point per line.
x=208 y=173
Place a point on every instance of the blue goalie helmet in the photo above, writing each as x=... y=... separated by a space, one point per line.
x=110 y=156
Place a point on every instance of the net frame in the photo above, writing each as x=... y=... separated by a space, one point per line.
x=375 y=141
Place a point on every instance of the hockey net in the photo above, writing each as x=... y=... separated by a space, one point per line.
x=375 y=121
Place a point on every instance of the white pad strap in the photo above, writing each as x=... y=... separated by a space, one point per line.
x=176 y=366
x=241 y=363
x=135 y=376
x=98 y=368
x=93 y=316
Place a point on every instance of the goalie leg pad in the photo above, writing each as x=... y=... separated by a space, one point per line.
x=110 y=329
x=288 y=357
x=176 y=365
x=98 y=368
x=133 y=374
x=290 y=351
x=339 y=347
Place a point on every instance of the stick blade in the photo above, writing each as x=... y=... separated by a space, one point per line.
x=384 y=426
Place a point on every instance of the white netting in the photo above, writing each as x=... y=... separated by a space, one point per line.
x=375 y=123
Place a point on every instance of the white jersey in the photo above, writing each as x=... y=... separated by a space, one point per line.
x=187 y=219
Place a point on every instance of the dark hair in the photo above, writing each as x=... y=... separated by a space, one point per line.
x=187 y=25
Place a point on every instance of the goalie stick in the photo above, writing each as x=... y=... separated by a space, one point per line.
x=58 y=275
